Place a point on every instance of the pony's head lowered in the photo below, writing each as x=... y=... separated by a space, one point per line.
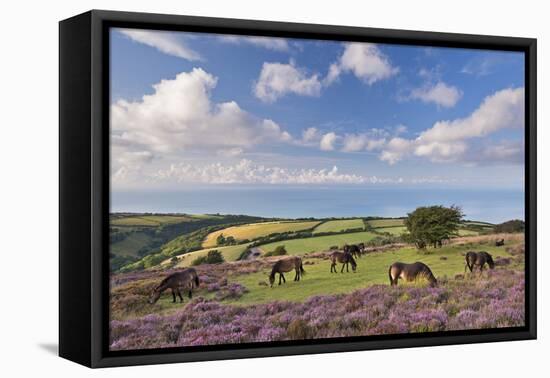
x=155 y=295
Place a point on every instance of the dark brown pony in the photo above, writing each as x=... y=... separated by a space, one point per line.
x=355 y=250
x=344 y=258
x=410 y=272
x=479 y=259
x=499 y=243
x=286 y=265
x=186 y=279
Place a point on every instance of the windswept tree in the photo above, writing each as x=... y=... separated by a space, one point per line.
x=430 y=226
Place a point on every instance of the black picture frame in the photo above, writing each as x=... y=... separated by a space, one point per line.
x=84 y=186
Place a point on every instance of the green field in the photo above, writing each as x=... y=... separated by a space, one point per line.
x=150 y=220
x=319 y=243
x=130 y=245
x=339 y=225
x=378 y=223
x=371 y=269
x=463 y=232
x=256 y=230
x=393 y=230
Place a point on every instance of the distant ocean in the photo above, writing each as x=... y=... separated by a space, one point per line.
x=493 y=206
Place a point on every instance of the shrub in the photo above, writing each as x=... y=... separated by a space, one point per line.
x=213 y=257
x=279 y=251
x=379 y=241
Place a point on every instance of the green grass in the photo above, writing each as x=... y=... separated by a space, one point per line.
x=377 y=223
x=393 y=230
x=149 y=220
x=256 y=230
x=319 y=243
x=371 y=269
x=130 y=245
x=478 y=223
x=463 y=232
x=339 y=225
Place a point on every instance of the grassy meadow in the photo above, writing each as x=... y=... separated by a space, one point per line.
x=339 y=225
x=235 y=295
x=372 y=269
x=319 y=243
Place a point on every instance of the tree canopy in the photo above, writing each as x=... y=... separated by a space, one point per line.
x=429 y=226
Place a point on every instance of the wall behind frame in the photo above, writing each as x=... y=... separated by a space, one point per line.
x=29 y=150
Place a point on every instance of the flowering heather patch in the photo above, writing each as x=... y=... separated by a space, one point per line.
x=496 y=300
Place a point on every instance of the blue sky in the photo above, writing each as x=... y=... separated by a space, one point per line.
x=202 y=110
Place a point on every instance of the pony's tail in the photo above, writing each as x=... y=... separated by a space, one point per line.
x=389 y=275
x=302 y=271
x=197 y=281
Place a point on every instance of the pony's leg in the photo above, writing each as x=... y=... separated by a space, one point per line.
x=333 y=268
x=280 y=276
x=284 y=279
x=190 y=293
x=342 y=270
x=179 y=295
x=173 y=296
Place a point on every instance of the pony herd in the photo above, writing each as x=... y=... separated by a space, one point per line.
x=188 y=279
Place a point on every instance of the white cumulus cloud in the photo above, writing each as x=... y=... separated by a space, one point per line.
x=166 y=42
x=270 y=43
x=449 y=140
x=279 y=79
x=179 y=119
x=327 y=141
x=361 y=142
x=439 y=93
x=247 y=172
x=365 y=61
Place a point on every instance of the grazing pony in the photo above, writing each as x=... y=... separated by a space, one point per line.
x=474 y=259
x=354 y=250
x=499 y=243
x=344 y=258
x=410 y=272
x=286 y=265
x=186 y=279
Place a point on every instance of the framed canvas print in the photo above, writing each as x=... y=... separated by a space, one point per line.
x=233 y=188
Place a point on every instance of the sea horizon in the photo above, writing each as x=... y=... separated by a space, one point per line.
x=488 y=205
